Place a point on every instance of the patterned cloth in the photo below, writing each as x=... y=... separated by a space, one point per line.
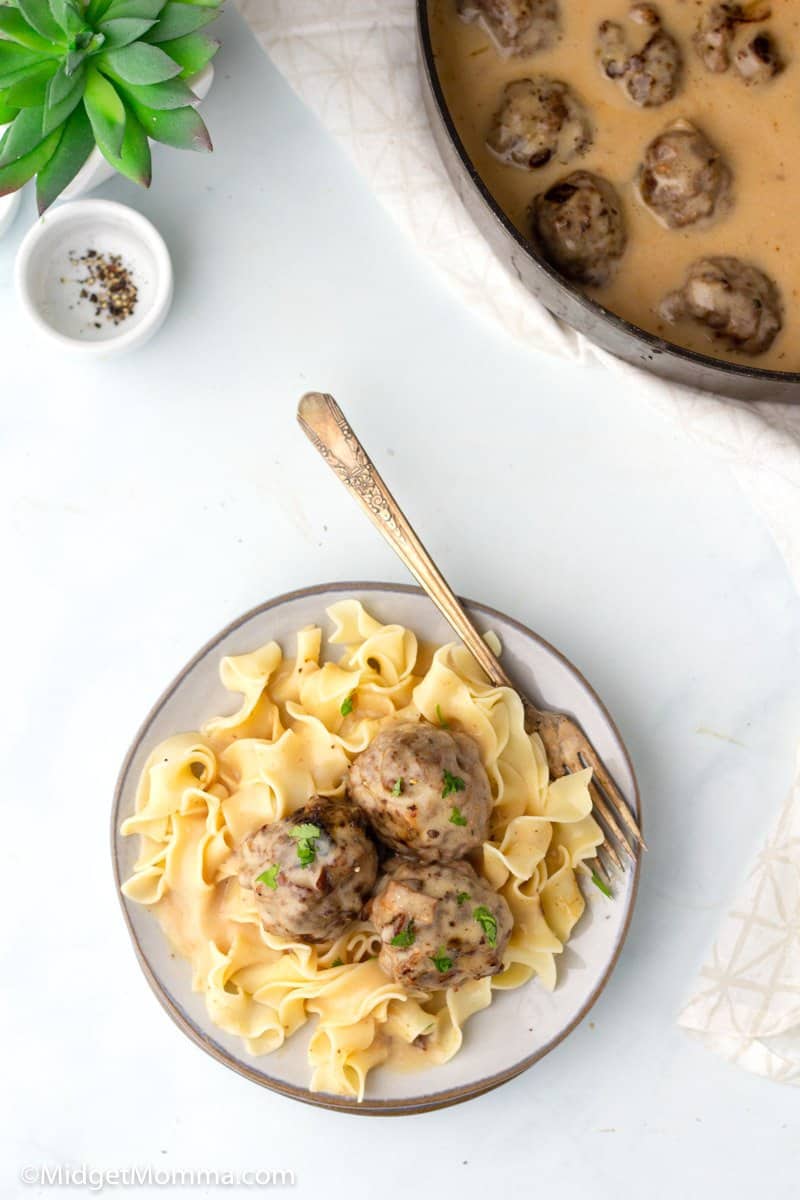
x=354 y=63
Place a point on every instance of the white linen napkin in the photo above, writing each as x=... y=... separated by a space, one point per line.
x=354 y=63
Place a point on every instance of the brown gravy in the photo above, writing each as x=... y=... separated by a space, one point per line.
x=756 y=128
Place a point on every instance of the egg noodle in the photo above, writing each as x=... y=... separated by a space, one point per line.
x=200 y=794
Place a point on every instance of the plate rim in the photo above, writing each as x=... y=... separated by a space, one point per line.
x=431 y=1101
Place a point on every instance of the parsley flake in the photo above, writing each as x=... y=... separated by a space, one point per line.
x=306 y=835
x=462 y=897
x=452 y=783
x=441 y=961
x=347 y=705
x=440 y=717
x=602 y=885
x=399 y=787
x=337 y=962
x=487 y=922
x=456 y=816
x=406 y=937
x=269 y=877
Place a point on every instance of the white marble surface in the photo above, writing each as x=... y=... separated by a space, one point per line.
x=148 y=500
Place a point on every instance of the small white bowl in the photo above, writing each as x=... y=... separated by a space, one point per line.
x=8 y=210
x=49 y=283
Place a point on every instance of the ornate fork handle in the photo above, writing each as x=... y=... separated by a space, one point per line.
x=326 y=426
x=566 y=745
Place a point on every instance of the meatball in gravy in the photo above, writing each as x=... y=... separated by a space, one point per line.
x=515 y=26
x=756 y=60
x=440 y=925
x=683 y=178
x=649 y=75
x=539 y=120
x=579 y=225
x=311 y=872
x=424 y=791
x=738 y=304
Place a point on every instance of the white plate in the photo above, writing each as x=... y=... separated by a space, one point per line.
x=520 y=1026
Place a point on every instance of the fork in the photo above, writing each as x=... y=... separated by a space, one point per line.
x=567 y=747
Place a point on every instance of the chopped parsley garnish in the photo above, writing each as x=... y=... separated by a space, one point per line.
x=337 y=962
x=347 y=705
x=602 y=885
x=406 y=937
x=306 y=835
x=399 y=787
x=462 y=897
x=452 y=783
x=440 y=717
x=269 y=877
x=456 y=816
x=487 y=922
x=441 y=960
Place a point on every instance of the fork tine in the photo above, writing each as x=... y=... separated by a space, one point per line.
x=609 y=849
x=602 y=851
x=605 y=844
x=606 y=814
x=605 y=783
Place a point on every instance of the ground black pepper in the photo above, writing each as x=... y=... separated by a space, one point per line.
x=107 y=284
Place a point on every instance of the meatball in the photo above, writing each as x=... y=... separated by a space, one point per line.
x=516 y=26
x=311 y=872
x=683 y=178
x=539 y=119
x=579 y=225
x=650 y=75
x=739 y=305
x=714 y=37
x=424 y=790
x=756 y=61
x=439 y=925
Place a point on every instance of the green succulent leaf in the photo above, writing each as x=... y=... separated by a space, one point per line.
x=178 y=19
x=14 y=26
x=173 y=93
x=193 y=52
x=106 y=112
x=75 y=59
x=23 y=136
x=133 y=8
x=96 y=10
x=69 y=16
x=60 y=87
x=181 y=127
x=16 y=63
x=140 y=64
x=17 y=173
x=74 y=147
x=133 y=160
x=39 y=16
x=123 y=31
x=63 y=96
x=31 y=91
x=7 y=111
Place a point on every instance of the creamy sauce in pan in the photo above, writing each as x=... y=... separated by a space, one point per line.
x=756 y=128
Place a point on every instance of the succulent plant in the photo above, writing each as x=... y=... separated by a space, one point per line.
x=75 y=74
